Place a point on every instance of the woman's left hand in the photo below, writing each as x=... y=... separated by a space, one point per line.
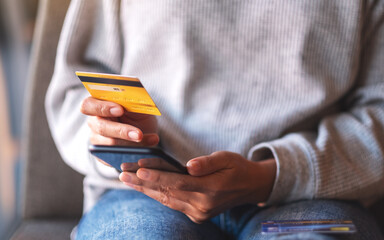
x=216 y=182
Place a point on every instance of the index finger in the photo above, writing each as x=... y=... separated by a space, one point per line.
x=172 y=180
x=95 y=107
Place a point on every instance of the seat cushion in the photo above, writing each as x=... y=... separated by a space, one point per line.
x=45 y=229
x=52 y=189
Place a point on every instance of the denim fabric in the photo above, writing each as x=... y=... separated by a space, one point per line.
x=127 y=214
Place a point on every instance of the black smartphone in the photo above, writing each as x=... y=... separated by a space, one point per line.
x=153 y=157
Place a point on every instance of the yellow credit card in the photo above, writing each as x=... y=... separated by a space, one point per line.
x=126 y=91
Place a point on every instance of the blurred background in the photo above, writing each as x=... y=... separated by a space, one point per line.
x=17 y=19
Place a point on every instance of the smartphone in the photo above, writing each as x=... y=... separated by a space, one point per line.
x=152 y=157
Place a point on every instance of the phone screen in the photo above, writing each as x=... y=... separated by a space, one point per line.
x=127 y=158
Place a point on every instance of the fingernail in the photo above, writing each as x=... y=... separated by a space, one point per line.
x=143 y=174
x=195 y=165
x=115 y=111
x=125 y=177
x=133 y=135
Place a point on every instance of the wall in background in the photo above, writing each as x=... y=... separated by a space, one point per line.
x=17 y=19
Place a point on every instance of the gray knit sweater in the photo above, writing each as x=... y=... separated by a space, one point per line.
x=303 y=80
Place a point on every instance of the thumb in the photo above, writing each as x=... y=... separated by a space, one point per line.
x=206 y=165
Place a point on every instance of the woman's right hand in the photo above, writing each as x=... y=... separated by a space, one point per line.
x=111 y=124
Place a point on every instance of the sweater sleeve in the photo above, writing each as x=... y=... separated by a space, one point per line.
x=344 y=158
x=90 y=41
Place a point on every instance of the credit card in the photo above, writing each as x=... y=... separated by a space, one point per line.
x=129 y=92
x=319 y=226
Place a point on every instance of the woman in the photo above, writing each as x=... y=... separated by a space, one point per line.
x=269 y=103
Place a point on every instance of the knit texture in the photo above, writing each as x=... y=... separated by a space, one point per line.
x=303 y=80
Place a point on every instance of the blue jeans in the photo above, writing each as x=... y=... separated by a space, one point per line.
x=127 y=214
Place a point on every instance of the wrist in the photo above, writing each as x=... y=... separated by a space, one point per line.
x=263 y=179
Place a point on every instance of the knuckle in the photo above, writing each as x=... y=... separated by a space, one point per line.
x=164 y=190
x=137 y=183
x=203 y=209
x=122 y=133
x=100 y=126
x=103 y=110
x=200 y=218
x=166 y=194
x=207 y=158
x=205 y=206
x=225 y=158
x=181 y=184
x=164 y=199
